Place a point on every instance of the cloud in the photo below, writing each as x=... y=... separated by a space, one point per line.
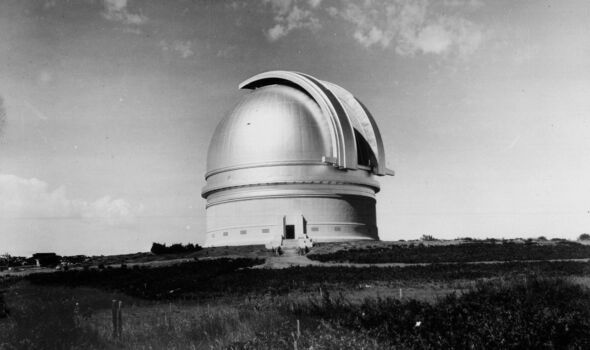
x=35 y=110
x=463 y=3
x=314 y=3
x=32 y=198
x=290 y=15
x=2 y=116
x=183 y=48
x=227 y=52
x=44 y=77
x=49 y=4
x=525 y=54
x=116 y=11
x=412 y=27
x=434 y=39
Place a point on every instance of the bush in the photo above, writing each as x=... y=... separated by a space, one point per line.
x=176 y=248
x=584 y=237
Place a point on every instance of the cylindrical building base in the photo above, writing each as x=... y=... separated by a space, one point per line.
x=323 y=218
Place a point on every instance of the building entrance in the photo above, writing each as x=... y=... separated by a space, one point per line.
x=289 y=231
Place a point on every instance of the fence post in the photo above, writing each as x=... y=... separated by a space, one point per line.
x=117 y=313
x=114 y=314
x=120 y=319
x=77 y=315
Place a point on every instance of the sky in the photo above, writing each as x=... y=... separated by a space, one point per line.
x=107 y=108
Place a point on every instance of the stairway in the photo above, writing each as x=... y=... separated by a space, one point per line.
x=289 y=247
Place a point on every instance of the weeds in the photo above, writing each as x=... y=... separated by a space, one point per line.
x=538 y=314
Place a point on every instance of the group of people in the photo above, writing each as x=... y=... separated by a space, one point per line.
x=304 y=245
x=275 y=245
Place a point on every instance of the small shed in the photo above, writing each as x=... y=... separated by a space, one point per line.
x=47 y=259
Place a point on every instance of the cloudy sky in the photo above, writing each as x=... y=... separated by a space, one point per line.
x=107 y=108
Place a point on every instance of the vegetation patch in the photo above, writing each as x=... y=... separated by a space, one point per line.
x=466 y=252
x=177 y=248
x=538 y=314
x=209 y=279
x=222 y=304
x=166 y=282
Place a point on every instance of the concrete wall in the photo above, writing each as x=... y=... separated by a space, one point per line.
x=260 y=220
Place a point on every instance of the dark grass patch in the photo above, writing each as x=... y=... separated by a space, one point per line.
x=230 y=277
x=5 y=283
x=538 y=314
x=42 y=318
x=166 y=282
x=466 y=252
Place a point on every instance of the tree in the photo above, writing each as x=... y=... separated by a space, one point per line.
x=158 y=248
x=175 y=248
x=584 y=237
x=5 y=259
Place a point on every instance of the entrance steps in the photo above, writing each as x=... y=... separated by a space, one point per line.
x=289 y=247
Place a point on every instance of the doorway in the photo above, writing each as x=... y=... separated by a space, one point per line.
x=289 y=231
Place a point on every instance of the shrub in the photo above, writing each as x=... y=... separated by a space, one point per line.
x=176 y=248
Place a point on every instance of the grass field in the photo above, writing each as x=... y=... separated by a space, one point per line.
x=222 y=304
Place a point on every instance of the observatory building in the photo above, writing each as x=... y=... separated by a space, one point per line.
x=296 y=157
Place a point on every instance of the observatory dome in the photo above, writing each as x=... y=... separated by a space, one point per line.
x=296 y=157
x=273 y=124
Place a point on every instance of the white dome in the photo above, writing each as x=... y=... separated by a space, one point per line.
x=272 y=125
x=296 y=157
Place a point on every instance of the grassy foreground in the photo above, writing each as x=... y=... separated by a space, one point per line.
x=221 y=305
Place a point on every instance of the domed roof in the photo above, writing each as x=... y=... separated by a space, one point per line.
x=273 y=124
x=292 y=118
